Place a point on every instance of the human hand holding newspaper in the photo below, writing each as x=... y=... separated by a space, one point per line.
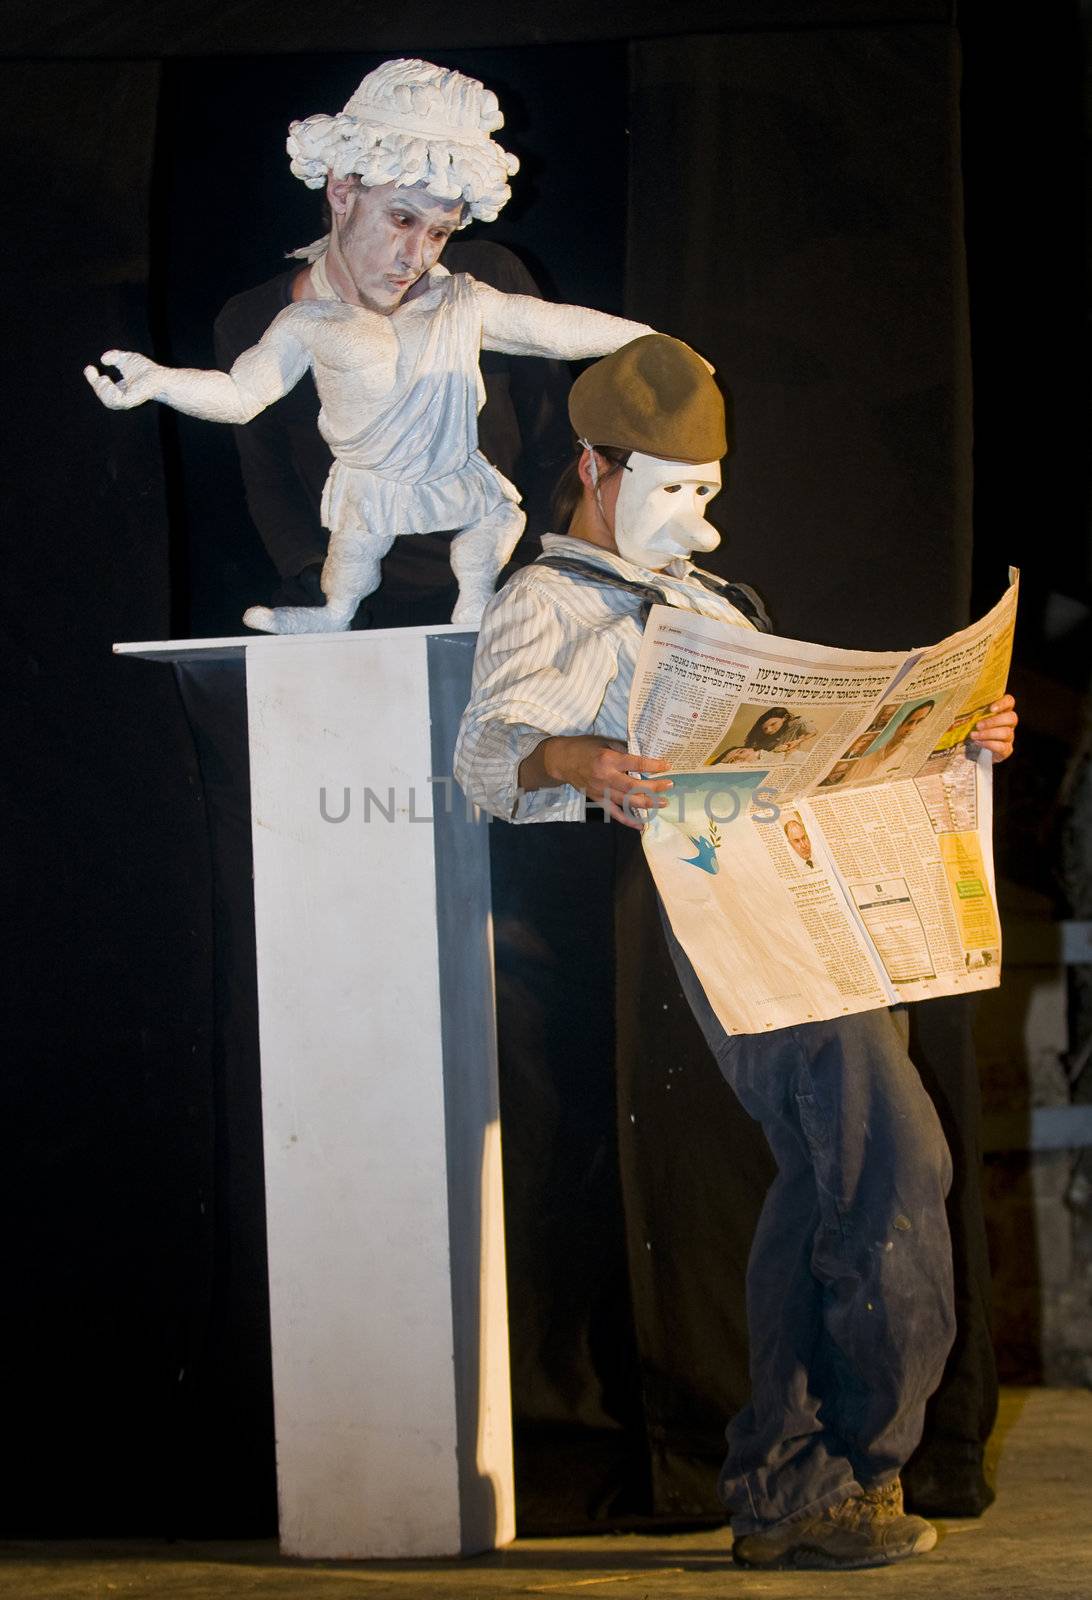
x=610 y=775
x=996 y=732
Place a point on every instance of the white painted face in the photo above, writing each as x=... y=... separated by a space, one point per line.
x=386 y=238
x=660 y=510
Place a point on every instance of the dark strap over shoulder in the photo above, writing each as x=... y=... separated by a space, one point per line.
x=740 y=595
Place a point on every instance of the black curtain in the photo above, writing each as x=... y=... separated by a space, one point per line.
x=580 y=1436
x=796 y=214
x=793 y=210
x=107 y=1010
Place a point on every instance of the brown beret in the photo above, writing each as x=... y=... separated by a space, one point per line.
x=655 y=395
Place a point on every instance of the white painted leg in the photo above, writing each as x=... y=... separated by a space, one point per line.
x=352 y=569
x=477 y=556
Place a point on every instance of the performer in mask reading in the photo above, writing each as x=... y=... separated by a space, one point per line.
x=849 y=1283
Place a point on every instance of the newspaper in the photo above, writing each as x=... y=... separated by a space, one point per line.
x=826 y=847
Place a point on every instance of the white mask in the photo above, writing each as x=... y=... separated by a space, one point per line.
x=660 y=510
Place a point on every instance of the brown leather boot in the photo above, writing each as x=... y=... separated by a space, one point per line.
x=864 y=1530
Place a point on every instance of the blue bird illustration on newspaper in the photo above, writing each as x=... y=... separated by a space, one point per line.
x=713 y=802
x=707 y=847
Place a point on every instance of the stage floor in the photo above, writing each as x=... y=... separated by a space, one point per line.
x=1036 y=1541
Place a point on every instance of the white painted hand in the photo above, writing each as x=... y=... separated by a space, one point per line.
x=136 y=385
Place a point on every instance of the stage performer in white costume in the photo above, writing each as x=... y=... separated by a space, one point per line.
x=393 y=339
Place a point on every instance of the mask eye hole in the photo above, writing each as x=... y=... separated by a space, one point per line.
x=672 y=488
x=704 y=489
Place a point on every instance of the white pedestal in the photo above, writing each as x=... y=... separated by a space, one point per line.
x=381 y=1132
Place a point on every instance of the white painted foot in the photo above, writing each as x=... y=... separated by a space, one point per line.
x=260 y=618
x=296 y=619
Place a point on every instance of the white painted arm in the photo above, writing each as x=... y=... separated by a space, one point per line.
x=261 y=375
x=520 y=325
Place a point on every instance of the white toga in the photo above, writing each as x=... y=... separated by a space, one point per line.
x=408 y=460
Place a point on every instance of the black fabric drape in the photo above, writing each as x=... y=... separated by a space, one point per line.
x=795 y=214
x=224 y=1475
x=188 y=27
x=694 y=1172
x=809 y=243
x=107 y=1080
x=962 y=1412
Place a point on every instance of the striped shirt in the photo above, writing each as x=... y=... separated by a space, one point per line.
x=556 y=656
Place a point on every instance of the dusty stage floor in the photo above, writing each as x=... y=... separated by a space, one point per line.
x=1036 y=1541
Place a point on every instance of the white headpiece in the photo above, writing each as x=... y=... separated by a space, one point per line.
x=411 y=122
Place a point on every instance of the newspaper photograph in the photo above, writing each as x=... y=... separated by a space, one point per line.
x=827 y=843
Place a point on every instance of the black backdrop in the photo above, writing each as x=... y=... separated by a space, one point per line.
x=809 y=239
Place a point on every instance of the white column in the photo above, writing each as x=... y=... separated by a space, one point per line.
x=381 y=1137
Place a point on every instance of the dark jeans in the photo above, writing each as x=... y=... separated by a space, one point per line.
x=849 y=1282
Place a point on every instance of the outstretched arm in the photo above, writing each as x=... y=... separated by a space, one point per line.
x=261 y=375
x=519 y=325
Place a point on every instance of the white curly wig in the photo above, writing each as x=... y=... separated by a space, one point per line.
x=411 y=122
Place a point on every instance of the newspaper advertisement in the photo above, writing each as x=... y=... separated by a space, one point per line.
x=826 y=846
